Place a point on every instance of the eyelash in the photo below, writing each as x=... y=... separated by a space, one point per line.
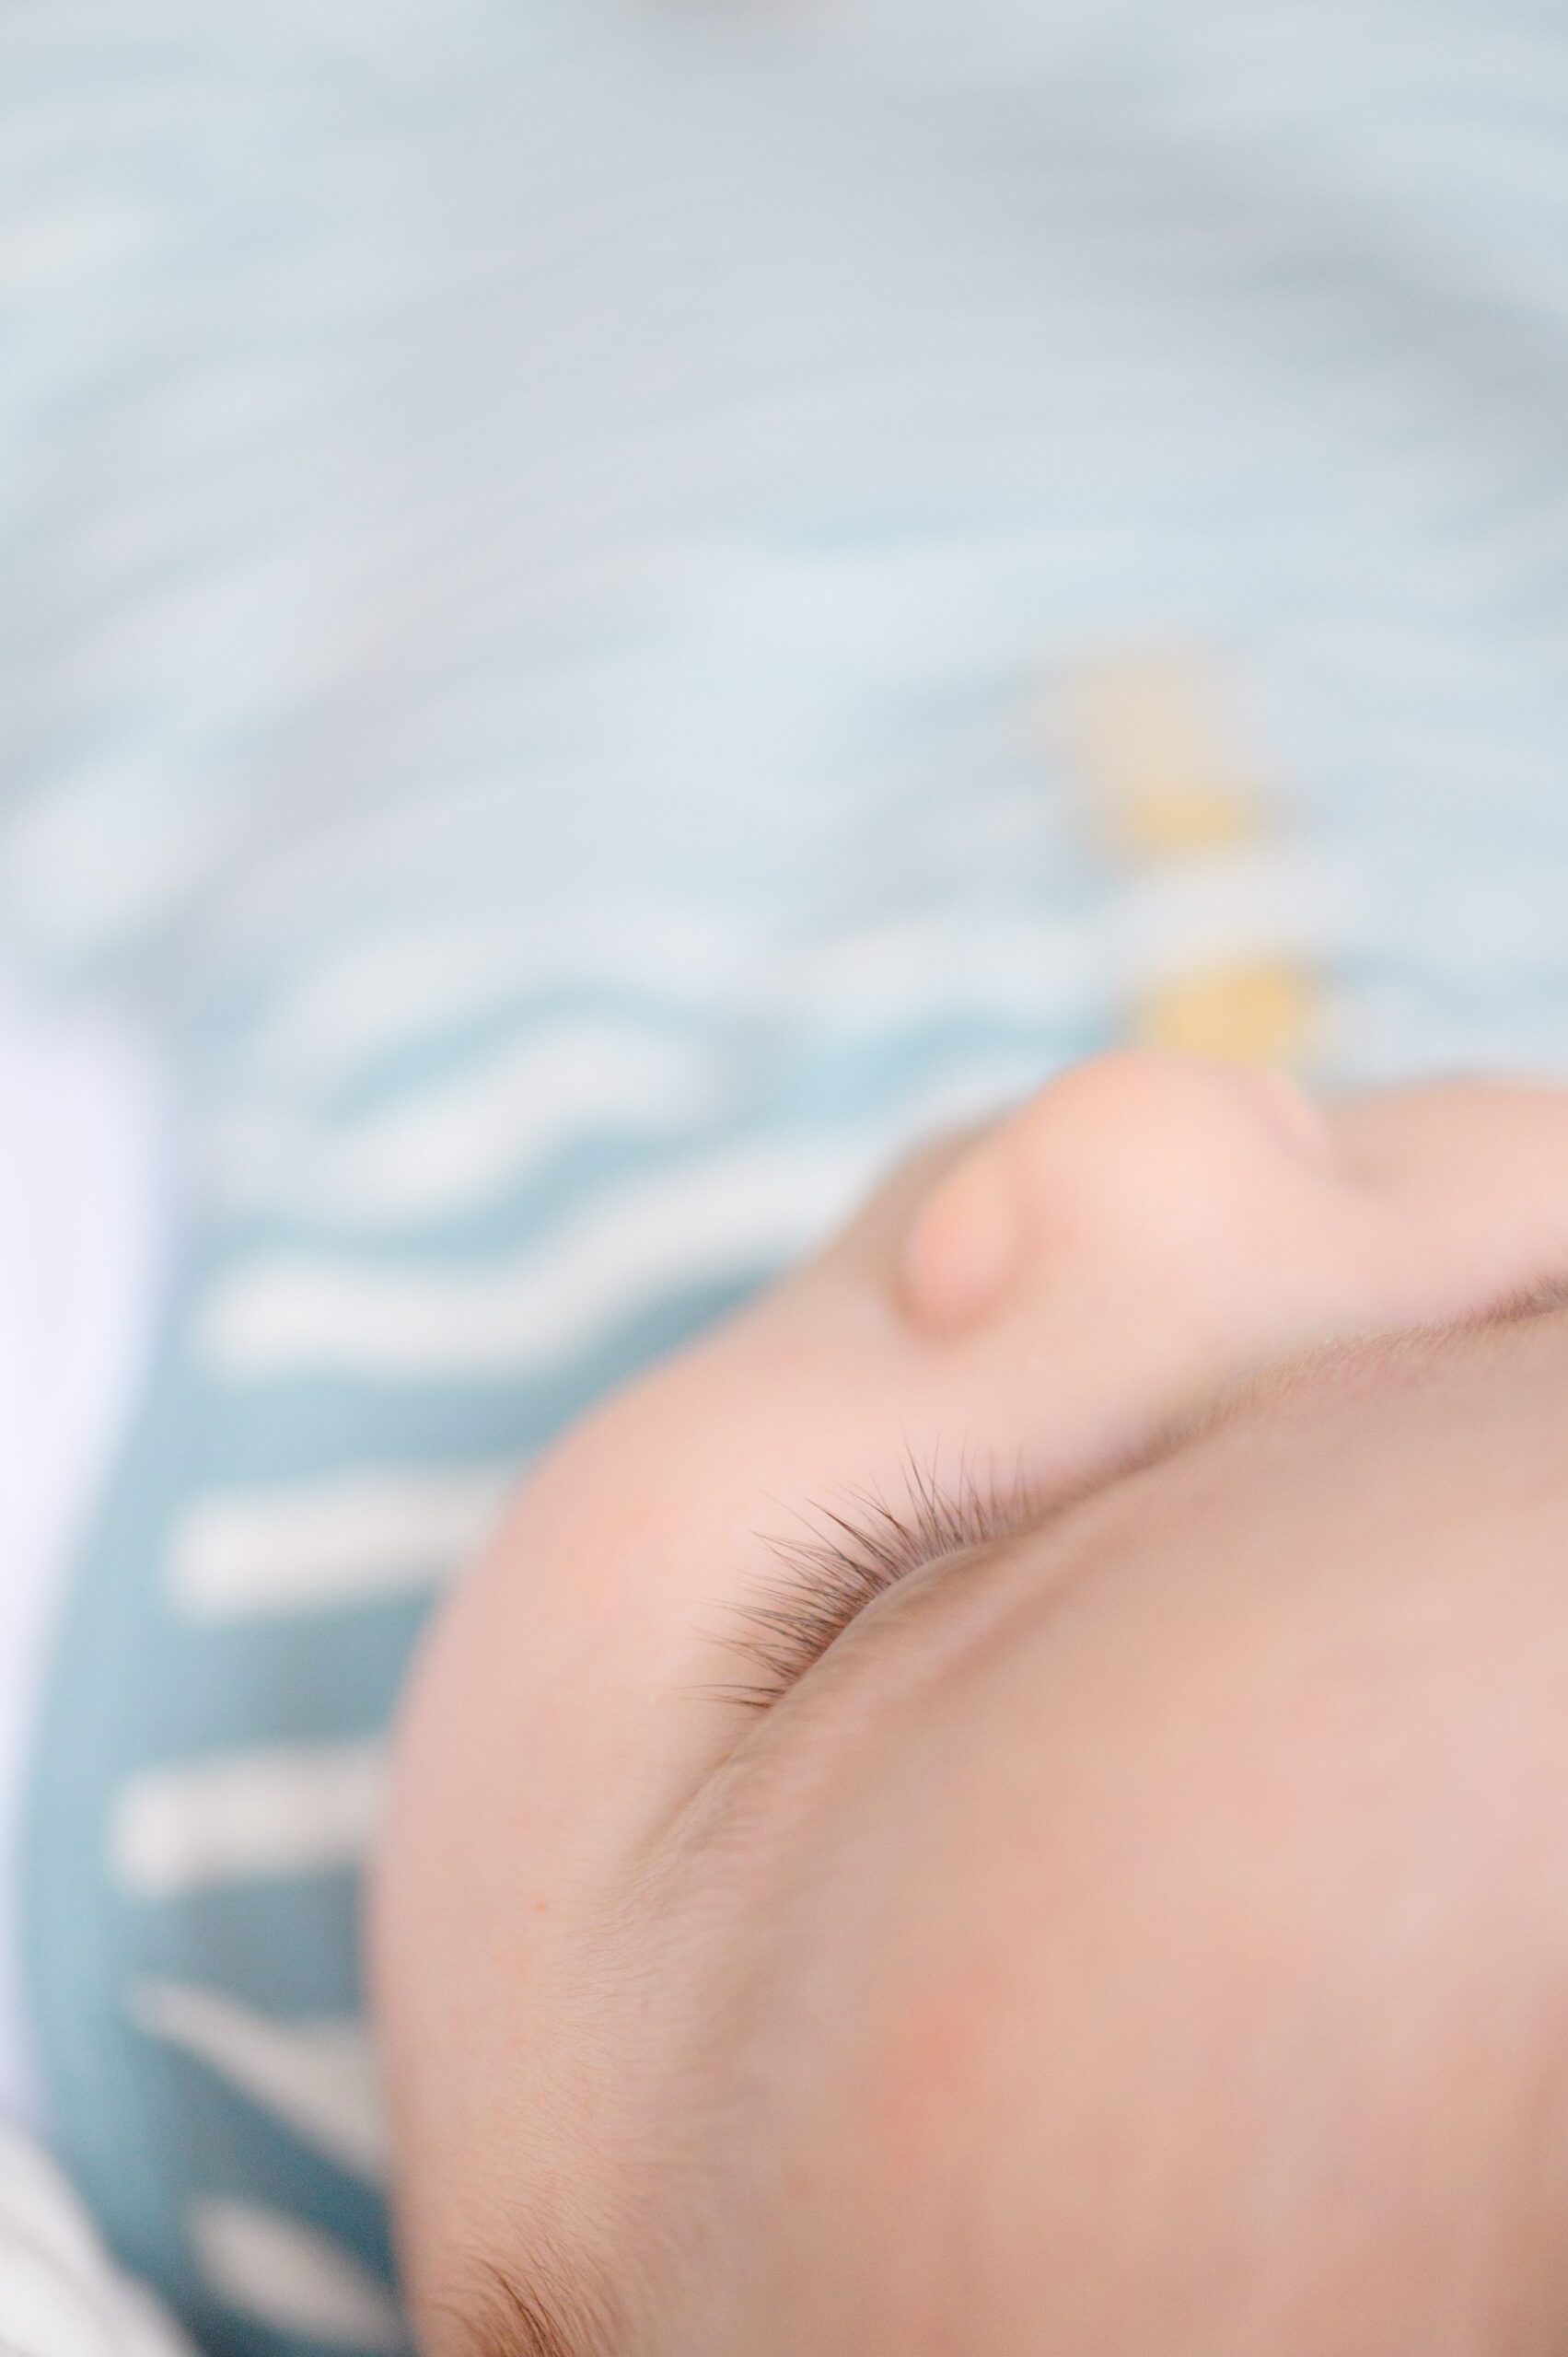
x=860 y=1550
x=855 y=1553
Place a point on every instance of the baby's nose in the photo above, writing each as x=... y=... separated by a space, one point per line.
x=1170 y=1161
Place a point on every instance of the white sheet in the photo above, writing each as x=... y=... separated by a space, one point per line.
x=85 y=1217
x=59 y=2294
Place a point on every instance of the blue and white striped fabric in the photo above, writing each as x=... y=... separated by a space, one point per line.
x=536 y=543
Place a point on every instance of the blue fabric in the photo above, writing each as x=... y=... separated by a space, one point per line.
x=540 y=543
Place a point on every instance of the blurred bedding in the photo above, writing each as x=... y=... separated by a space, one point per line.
x=86 y=1213
x=542 y=549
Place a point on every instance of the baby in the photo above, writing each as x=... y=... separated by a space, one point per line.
x=998 y=1792
x=1009 y=1800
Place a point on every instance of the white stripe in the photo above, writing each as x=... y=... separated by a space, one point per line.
x=289 y=2276
x=394 y=992
x=298 y=1809
x=1268 y=901
x=760 y=1205
x=293 y=1315
x=318 y=2075
x=347 y=1541
x=397 y=992
x=902 y=976
x=443 y=1149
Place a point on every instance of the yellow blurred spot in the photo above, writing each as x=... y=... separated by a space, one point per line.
x=1169 y=826
x=1253 y=1013
x=1164 y=783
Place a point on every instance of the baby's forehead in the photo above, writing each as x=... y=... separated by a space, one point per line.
x=1208 y=1872
x=1277 y=1921
x=1318 y=1495
x=1357 y=1559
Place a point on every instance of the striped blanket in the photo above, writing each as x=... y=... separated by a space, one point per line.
x=549 y=558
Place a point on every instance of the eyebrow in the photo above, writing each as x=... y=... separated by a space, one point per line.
x=513 y=2322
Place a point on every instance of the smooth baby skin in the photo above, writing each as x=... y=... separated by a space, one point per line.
x=1145 y=1923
